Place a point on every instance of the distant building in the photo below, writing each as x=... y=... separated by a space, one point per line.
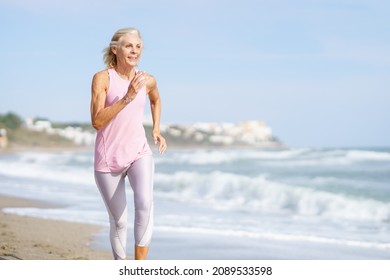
x=39 y=125
x=247 y=133
x=3 y=138
x=76 y=134
x=253 y=132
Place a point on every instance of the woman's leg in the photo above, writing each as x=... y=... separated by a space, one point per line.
x=112 y=189
x=140 y=176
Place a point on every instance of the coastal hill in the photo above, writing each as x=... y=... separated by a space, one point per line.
x=40 y=132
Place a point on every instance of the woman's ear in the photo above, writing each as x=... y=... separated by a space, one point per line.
x=113 y=49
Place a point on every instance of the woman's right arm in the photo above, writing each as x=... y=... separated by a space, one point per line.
x=101 y=115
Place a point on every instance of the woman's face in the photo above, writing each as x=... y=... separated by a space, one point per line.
x=128 y=52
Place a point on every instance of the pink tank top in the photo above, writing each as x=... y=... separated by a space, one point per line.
x=123 y=139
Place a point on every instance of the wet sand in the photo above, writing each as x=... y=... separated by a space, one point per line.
x=27 y=238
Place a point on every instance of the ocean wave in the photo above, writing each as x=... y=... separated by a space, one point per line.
x=214 y=157
x=358 y=155
x=225 y=190
x=332 y=158
x=61 y=167
x=282 y=157
x=238 y=192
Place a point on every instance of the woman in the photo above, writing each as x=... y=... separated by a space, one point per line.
x=121 y=149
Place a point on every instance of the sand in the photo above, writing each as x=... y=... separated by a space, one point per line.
x=27 y=238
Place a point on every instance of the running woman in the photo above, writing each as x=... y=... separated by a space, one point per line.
x=121 y=149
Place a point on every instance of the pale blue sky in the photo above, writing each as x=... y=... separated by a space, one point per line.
x=317 y=72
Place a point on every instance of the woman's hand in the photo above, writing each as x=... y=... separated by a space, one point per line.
x=157 y=137
x=136 y=84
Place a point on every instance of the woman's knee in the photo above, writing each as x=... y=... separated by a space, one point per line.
x=144 y=205
x=120 y=224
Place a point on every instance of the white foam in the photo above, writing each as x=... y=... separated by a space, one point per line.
x=368 y=155
x=50 y=166
x=214 y=157
x=283 y=157
x=231 y=191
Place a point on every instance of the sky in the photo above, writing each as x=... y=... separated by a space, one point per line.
x=316 y=72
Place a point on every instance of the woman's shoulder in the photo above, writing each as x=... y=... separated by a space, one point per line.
x=101 y=78
x=102 y=75
x=150 y=80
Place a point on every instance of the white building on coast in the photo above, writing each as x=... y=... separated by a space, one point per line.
x=253 y=133
x=76 y=134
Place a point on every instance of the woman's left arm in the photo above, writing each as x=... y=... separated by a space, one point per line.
x=155 y=105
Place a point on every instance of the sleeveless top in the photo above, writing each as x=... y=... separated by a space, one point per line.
x=122 y=141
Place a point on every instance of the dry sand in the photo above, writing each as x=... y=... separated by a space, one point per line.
x=29 y=238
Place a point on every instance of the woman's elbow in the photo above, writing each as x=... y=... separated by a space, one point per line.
x=96 y=127
x=96 y=124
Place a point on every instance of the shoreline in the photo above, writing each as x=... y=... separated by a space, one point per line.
x=30 y=238
x=20 y=149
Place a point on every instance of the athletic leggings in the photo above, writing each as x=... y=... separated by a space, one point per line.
x=112 y=188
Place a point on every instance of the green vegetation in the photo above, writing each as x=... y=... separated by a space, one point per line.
x=10 y=121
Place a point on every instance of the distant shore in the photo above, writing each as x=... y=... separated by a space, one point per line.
x=14 y=148
x=27 y=238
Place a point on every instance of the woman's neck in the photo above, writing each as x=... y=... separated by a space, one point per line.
x=126 y=73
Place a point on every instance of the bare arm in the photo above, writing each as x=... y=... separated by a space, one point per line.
x=155 y=105
x=101 y=115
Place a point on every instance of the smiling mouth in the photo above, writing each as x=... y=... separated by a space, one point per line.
x=133 y=60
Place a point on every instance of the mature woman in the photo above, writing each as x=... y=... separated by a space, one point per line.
x=121 y=149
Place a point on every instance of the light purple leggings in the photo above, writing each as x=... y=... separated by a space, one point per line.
x=112 y=188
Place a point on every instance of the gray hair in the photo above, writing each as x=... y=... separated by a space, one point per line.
x=108 y=56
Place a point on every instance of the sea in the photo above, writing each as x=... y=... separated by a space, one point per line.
x=229 y=203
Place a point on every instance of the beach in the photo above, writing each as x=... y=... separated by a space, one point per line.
x=30 y=238
x=210 y=204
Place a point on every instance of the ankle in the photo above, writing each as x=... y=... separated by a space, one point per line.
x=140 y=253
